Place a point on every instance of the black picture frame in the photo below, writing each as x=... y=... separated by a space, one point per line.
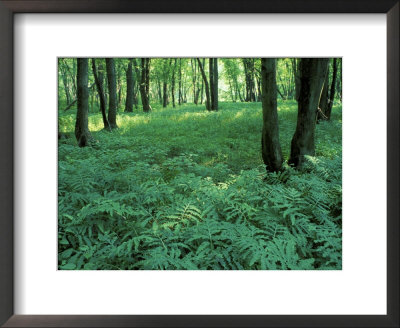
x=10 y=7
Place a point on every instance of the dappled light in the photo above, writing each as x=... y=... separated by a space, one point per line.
x=178 y=182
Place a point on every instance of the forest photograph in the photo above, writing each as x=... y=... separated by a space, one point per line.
x=199 y=163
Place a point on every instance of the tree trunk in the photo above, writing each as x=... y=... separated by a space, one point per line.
x=211 y=77
x=215 y=84
x=82 y=133
x=248 y=64
x=129 y=88
x=173 y=84
x=312 y=75
x=160 y=98
x=271 y=148
x=147 y=78
x=323 y=101
x=296 y=74
x=203 y=74
x=165 y=94
x=332 y=92
x=180 y=83
x=112 y=90
x=98 y=78
x=141 y=72
x=65 y=82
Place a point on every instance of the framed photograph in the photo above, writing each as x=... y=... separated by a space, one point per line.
x=205 y=164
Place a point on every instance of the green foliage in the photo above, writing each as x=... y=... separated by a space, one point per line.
x=186 y=189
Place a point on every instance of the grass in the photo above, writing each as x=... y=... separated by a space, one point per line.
x=183 y=188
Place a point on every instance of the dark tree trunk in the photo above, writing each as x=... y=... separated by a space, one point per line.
x=98 y=78
x=129 y=88
x=173 y=84
x=112 y=90
x=203 y=74
x=215 y=84
x=65 y=82
x=231 y=90
x=211 y=76
x=72 y=74
x=141 y=72
x=82 y=133
x=119 y=85
x=202 y=87
x=271 y=148
x=194 y=65
x=180 y=83
x=165 y=94
x=280 y=93
x=147 y=82
x=332 y=92
x=312 y=75
x=296 y=74
x=323 y=101
x=339 y=79
x=159 y=91
x=248 y=64
x=238 y=91
x=166 y=71
x=135 y=88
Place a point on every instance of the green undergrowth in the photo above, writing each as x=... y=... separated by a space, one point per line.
x=183 y=188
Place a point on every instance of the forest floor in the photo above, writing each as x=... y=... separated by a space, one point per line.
x=183 y=188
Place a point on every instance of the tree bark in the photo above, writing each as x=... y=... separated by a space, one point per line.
x=271 y=148
x=211 y=77
x=215 y=84
x=112 y=90
x=143 y=84
x=165 y=94
x=65 y=82
x=129 y=88
x=312 y=75
x=98 y=79
x=323 y=101
x=295 y=66
x=206 y=87
x=248 y=64
x=332 y=91
x=173 y=84
x=82 y=133
x=180 y=83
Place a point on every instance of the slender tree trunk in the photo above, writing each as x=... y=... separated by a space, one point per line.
x=215 y=84
x=323 y=101
x=143 y=84
x=180 y=83
x=65 y=82
x=280 y=93
x=231 y=91
x=332 y=92
x=173 y=84
x=165 y=94
x=271 y=148
x=119 y=85
x=82 y=133
x=203 y=74
x=129 y=88
x=159 y=91
x=72 y=74
x=98 y=78
x=296 y=74
x=147 y=77
x=211 y=76
x=312 y=75
x=112 y=90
